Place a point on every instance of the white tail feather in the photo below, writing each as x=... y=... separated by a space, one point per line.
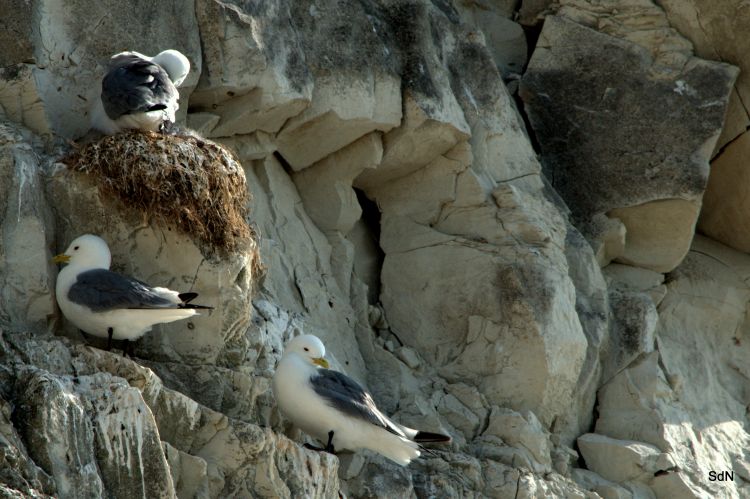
x=395 y=448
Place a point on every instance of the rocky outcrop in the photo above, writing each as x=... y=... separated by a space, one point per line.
x=651 y=170
x=25 y=267
x=712 y=28
x=94 y=421
x=525 y=279
x=725 y=203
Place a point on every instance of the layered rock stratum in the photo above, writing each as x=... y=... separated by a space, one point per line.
x=519 y=223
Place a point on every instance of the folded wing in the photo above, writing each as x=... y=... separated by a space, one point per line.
x=102 y=290
x=136 y=85
x=347 y=396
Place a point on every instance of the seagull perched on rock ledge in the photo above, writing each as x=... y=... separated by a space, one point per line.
x=333 y=408
x=109 y=305
x=140 y=92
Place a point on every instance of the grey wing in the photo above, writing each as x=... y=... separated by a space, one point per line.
x=346 y=395
x=102 y=290
x=135 y=85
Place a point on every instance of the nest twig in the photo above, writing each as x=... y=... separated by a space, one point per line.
x=192 y=184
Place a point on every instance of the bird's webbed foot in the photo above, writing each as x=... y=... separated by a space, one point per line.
x=328 y=448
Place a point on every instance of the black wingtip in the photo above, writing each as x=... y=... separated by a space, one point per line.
x=187 y=297
x=196 y=307
x=427 y=437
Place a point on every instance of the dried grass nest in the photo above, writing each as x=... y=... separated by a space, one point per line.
x=183 y=181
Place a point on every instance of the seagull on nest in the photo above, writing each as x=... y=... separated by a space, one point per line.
x=109 y=305
x=334 y=408
x=140 y=92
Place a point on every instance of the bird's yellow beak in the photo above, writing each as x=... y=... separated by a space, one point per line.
x=320 y=361
x=61 y=258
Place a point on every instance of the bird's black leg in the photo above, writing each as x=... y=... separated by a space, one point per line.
x=127 y=350
x=110 y=332
x=329 y=446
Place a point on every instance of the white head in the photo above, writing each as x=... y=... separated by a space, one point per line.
x=87 y=250
x=175 y=64
x=128 y=52
x=309 y=347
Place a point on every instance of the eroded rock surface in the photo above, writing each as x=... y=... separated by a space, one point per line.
x=661 y=127
x=95 y=421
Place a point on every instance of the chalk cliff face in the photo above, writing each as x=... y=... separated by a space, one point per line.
x=491 y=225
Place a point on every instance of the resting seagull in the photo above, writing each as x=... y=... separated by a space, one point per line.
x=334 y=408
x=109 y=305
x=140 y=92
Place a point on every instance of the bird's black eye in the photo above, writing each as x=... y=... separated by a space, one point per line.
x=75 y=248
x=307 y=349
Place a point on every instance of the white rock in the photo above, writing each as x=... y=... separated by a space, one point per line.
x=660 y=213
x=498 y=299
x=622 y=410
x=522 y=431
x=725 y=203
x=504 y=38
x=341 y=112
x=189 y=473
x=254 y=78
x=20 y=99
x=594 y=482
x=633 y=323
x=424 y=135
x=203 y=123
x=408 y=356
x=458 y=415
x=658 y=234
x=607 y=236
x=59 y=433
x=357 y=89
x=678 y=485
x=300 y=262
x=127 y=440
x=26 y=273
x=238 y=455
x=635 y=278
x=708 y=27
x=249 y=147
x=486 y=236
x=639 y=22
x=619 y=460
x=326 y=186
x=421 y=195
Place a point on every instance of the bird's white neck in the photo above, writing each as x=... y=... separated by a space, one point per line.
x=300 y=364
x=84 y=266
